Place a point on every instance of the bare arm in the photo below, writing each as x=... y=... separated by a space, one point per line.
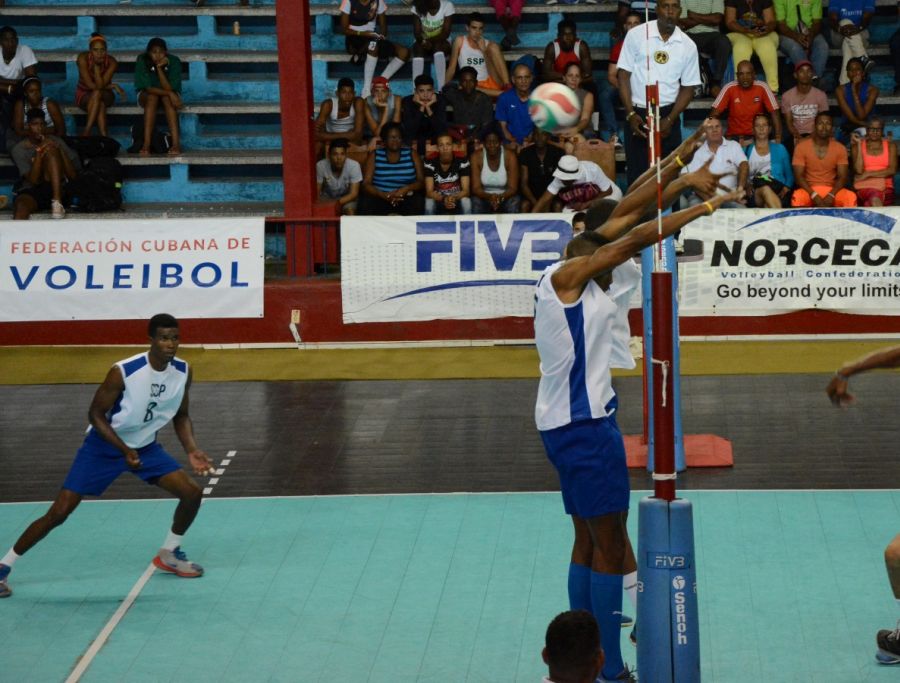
x=454 y=60
x=59 y=123
x=104 y=399
x=184 y=430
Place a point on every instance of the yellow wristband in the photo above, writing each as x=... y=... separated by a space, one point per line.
x=679 y=162
x=709 y=207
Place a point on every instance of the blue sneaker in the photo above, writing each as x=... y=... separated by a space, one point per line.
x=888 y=645
x=626 y=620
x=627 y=676
x=5 y=590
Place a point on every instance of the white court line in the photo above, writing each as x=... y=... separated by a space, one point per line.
x=85 y=661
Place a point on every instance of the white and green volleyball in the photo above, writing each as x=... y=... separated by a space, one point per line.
x=553 y=107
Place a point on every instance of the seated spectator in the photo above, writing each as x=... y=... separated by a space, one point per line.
x=364 y=25
x=95 y=90
x=423 y=114
x=743 y=99
x=856 y=99
x=393 y=178
x=482 y=55
x=340 y=117
x=54 y=123
x=626 y=7
x=18 y=63
x=608 y=90
x=728 y=161
x=572 y=650
x=874 y=165
x=432 y=20
x=509 y=14
x=751 y=29
x=802 y=103
x=157 y=80
x=45 y=164
x=495 y=175
x=579 y=223
x=338 y=178
x=582 y=130
x=447 y=181
x=769 y=168
x=700 y=20
x=849 y=23
x=537 y=162
x=799 y=24
x=577 y=186
x=472 y=109
x=380 y=107
x=821 y=168
x=511 y=110
x=567 y=49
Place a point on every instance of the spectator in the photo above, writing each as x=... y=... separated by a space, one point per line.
x=157 y=80
x=95 y=90
x=512 y=110
x=572 y=649
x=484 y=56
x=447 y=181
x=728 y=160
x=640 y=7
x=856 y=98
x=849 y=22
x=743 y=99
x=495 y=175
x=364 y=24
x=509 y=14
x=393 y=178
x=381 y=107
x=700 y=20
x=608 y=90
x=18 y=63
x=821 y=168
x=577 y=186
x=54 y=123
x=802 y=103
x=45 y=164
x=579 y=223
x=800 y=33
x=537 y=163
x=432 y=20
x=341 y=117
x=338 y=178
x=582 y=130
x=769 y=166
x=751 y=29
x=472 y=109
x=423 y=114
x=875 y=163
x=567 y=49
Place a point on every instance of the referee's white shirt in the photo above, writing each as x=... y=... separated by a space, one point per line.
x=673 y=63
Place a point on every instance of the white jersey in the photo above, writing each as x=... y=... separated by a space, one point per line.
x=472 y=56
x=150 y=399
x=577 y=344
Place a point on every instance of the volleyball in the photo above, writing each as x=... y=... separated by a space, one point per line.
x=554 y=106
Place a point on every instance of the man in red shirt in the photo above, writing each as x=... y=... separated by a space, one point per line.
x=821 y=169
x=743 y=99
x=568 y=48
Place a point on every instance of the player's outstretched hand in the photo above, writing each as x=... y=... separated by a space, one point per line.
x=201 y=463
x=703 y=181
x=733 y=196
x=837 y=392
x=691 y=144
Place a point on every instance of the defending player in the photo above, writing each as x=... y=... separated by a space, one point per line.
x=139 y=396
x=888 y=640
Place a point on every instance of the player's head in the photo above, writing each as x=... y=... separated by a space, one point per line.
x=599 y=213
x=164 y=339
x=159 y=321
x=572 y=649
x=585 y=244
x=579 y=222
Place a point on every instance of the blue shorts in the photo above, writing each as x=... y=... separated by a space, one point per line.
x=98 y=463
x=589 y=457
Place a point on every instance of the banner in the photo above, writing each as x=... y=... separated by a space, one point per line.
x=758 y=262
x=467 y=267
x=123 y=269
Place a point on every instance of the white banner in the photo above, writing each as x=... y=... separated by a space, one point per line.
x=758 y=262
x=122 y=269
x=453 y=267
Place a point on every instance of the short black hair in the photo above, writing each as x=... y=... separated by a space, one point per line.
x=34 y=114
x=580 y=216
x=598 y=214
x=8 y=30
x=469 y=70
x=491 y=128
x=564 y=24
x=423 y=79
x=572 y=643
x=339 y=143
x=389 y=126
x=857 y=60
x=826 y=112
x=160 y=320
x=156 y=42
x=474 y=16
x=585 y=243
x=346 y=83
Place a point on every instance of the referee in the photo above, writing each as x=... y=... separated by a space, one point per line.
x=673 y=63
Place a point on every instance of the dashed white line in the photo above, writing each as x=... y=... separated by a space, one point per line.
x=218 y=472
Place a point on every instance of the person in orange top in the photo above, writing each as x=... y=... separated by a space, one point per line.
x=821 y=168
x=874 y=165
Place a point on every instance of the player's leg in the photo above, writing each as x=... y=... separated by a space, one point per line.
x=170 y=557
x=889 y=640
x=580 y=566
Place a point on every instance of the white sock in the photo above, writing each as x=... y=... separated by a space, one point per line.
x=392 y=67
x=418 y=67
x=173 y=540
x=10 y=558
x=368 y=74
x=440 y=70
x=629 y=585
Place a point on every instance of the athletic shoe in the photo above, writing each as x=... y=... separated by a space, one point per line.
x=176 y=561
x=868 y=65
x=515 y=38
x=56 y=209
x=633 y=636
x=626 y=620
x=506 y=43
x=888 y=646
x=5 y=590
x=627 y=675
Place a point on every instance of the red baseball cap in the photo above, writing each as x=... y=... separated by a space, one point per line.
x=800 y=65
x=381 y=80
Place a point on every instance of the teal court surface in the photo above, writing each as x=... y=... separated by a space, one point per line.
x=431 y=588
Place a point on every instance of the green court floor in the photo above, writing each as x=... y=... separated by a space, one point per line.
x=432 y=588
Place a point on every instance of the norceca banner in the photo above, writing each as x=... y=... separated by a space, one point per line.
x=123 y=269
x=757 y=262
x=425 y=268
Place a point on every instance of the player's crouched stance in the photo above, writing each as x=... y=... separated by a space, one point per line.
x=139 y=396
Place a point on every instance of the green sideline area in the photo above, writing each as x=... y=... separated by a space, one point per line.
x=78 y=365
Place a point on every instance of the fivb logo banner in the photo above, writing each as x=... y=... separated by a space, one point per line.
x=757 y=262
x=466 y=267
x=123 y=269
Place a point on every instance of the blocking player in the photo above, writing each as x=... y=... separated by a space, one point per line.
x=139 y=396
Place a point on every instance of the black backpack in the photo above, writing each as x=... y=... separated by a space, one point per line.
x=97 y=188
x=108 y=169
x=159 y=141
x=93 y=146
